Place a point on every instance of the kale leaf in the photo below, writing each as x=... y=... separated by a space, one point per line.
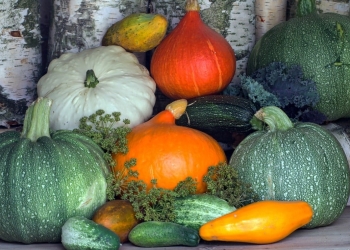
x=284 y=87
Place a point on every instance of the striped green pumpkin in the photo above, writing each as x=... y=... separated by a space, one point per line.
x=301 y=161
x=320 y=44
x=47 y=178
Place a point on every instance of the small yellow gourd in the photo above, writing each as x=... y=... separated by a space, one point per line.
x=138 y=32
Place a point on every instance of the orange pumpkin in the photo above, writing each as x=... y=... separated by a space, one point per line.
x=193 y=60
x=170 y=153
x=262 y=222
x=118 y=216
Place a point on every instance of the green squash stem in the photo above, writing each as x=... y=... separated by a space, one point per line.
x=90 y=80
x=37 y=120
x=275 y=118
x=305 y=7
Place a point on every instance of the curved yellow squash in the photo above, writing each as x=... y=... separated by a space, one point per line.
x=261 y=222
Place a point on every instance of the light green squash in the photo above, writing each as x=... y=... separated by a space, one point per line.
x=301 y=161
x=47 y=178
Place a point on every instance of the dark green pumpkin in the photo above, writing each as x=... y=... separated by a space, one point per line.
x=301 y=161
x=47 y=178
x=320 y=44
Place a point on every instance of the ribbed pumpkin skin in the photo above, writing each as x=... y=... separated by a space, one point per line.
x=303 y=163
x=170 y=153
x=193 y=60
x=44 y=183
x=315 y=42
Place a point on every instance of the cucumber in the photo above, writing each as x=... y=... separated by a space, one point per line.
x=163 y=234
x=219 y=115
x=80 y=233
x=195 y=210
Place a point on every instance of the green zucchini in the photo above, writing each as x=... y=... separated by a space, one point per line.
x=195 y=210
x=163 y=234
x=219 y=115
x=80 y=233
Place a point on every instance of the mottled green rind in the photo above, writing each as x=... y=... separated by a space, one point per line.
x=163 y=234
x=303 y=163
x=320 y=44
x=195 y=210
x=44 y=183
x=80 y=233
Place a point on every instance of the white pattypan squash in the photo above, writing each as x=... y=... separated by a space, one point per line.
x=123 y=85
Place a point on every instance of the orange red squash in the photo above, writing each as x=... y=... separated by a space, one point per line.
x=170 y=153
x=193 y=60
x=262 y=222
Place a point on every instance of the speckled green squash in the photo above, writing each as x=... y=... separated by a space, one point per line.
x=47 y=178
x=300 y=161
x=320 y=44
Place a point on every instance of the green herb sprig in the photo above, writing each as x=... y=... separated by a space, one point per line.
x=222 y=181
x=100 y=127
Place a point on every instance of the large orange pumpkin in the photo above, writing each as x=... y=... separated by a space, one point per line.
x=118 y=216
x=193 y=60
x=170 y=153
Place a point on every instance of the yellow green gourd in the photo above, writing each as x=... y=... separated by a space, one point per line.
x=138 y=32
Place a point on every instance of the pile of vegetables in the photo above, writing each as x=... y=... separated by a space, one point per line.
x=95 y=167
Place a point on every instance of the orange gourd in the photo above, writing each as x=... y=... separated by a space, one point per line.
x=118 y=216
x=261 y=222
x=193 y=60
x=170 y=153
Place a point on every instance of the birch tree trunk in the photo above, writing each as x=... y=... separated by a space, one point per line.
x=269 y=14
x=234 y=19
x=323 y=6
x=81 y=24
x=20 y=53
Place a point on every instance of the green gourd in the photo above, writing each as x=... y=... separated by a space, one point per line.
x=220 y=116
x=195 y=210
x=81 y=233
x=46 y=178
x=300 y=161
x=163 y=234
x=320 y=44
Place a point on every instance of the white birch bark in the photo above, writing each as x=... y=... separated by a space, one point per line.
x=234 y=19
x=268 y=14
x=81 y=24
x=323 y=6
x=20 y=53
x=341 y=133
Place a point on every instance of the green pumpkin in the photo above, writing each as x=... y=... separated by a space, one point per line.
x=301 y=161
x=320 y=44
x=47 y=178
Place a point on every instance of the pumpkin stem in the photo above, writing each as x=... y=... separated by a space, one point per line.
x=305 y=7
x=90 y=80
x=192 y=5
x=275 y=118
x=36 y=121
x=177 y=108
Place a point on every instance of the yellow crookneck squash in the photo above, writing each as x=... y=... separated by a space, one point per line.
x=261 y=222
